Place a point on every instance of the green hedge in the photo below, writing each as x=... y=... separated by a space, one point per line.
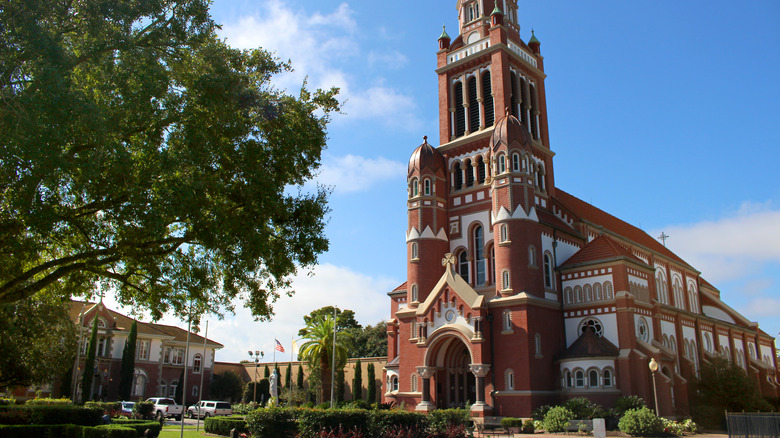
x=140 y=426
x=223 y=425
x=65 y=431
x=50 y=414
x=272 y=422
x=111 y=408
x=49 y=401
x=312 y=421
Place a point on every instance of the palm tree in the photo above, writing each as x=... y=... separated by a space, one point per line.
x=318 y=349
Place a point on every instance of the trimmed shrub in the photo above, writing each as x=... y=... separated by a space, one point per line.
x=640 y=422
x=529 y=426
x=223 y=425
x=50 y=414
x=112 y=409
x=48 y=401
x=273 y=422
x=583 y=409
x=313 y=421
x=539 y=413
x=140 y=426
x=443 y=422
x=110 y=431
x=7 y=401
x=143 y=410
x=557 y=419
x=508 y=422
x=396 y=423
x=14 y=415
x=244 y=408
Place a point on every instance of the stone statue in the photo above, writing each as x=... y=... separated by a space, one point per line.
x=274 y=386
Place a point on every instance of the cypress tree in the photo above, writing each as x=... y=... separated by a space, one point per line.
x=288 y=377
x=89 y=364
x=267 y=372
x=340 y=385
x=357 y=382
x=371 y=396
x=299 y=380
x=128 y=364
x=179 y=389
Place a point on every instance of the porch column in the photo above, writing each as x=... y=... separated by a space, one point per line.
x=480 y=370
x=426 y=373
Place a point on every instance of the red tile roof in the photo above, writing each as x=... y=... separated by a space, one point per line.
x=591 y=214
x=600 y=249
x=589 y=344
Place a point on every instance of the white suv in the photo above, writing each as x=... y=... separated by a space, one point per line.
x=209 y=409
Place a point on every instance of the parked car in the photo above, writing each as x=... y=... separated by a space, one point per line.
x=165 y=407
x=210 y=409
x=127 y=409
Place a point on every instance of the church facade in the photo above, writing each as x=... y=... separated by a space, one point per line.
x=519 y=294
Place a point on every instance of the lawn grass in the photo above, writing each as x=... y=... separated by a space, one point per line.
x=175 y=432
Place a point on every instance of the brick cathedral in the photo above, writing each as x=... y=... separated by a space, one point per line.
x=519 y=294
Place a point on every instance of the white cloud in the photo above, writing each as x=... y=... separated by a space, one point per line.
x=352 y=173
x=328 y=285
x=316 y=44
x=732 y=247
x=762 y=307
x=392 y=59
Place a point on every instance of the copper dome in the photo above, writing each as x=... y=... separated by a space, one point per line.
x=426 y=159
x=508 y=129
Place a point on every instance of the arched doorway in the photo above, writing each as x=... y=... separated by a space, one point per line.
x=456 y=385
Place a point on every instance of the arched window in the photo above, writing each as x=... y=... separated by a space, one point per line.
x=678 y=294
x=593 y=324
x=568 y=296
x=196 y=363
x=538 y=344
x=504 y=233
x=507 y=320
x=593 y=379
x=579 y=379
x=588 y=291
x=415 y=251
x=515 y=162
x=195 y=391
x=578 y=294
x=707 y=342
x=427 y=186
x=163 y=387
x=672 y=343
x=480 y=264
x=568 y=379
x=505 y=279
x=598 y=293
x=531 y=255
x=660 y=286
x=480 y=170
x=139 y=383
x=534 y=112
x=394 y=383
x=510 y=380
x=501 y=164
x=415 y=296
x=172 y=388
x=548 y=278
x=608 y=291
x=458 y=176
x=463 y=266
x=693 y=301
x=607 y=378
x=415 y=188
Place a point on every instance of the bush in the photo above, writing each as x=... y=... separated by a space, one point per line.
x=274 y=422
x=143 y=410
x=48 y=402
x=50 y=414
x=7 y=401
x=14 y=415
x=508 y=422
x=112 y=409
x=539 y=413
x=443 y=422
x=66 y=430
x=623 y=404
x=401 y=423
x=640 y=422
x=244 y=408
x=312 y=421
x=582 y=408
x=140 y=426
x=529 y=426
x=110 y=431
x=557 y=419
x=223 y=425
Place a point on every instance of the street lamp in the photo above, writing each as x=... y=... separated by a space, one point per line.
x=653 y=369
x=257 y=355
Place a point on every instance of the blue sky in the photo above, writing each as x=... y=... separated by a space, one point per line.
x=661 y=113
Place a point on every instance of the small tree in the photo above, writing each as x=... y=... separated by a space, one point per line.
x=288 y=377
x=341 y=385
x=89 y=364
x=371 y=393
x=178 y=396
x=299 y=380
x=357 y=382
x=128 y=364
x=227 y=386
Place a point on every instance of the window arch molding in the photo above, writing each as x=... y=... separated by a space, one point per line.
x=479 y=249
x=414 y=188
x=593 y=376
x=608 y=377
x=547 y=263
x=506 y=280
x=509 y=379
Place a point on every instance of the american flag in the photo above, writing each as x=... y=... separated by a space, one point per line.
x=279 y=346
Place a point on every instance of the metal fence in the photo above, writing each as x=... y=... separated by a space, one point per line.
x=753 y=425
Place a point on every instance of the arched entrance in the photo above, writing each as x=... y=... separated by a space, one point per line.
x=457 y=385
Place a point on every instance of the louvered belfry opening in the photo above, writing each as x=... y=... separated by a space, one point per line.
x=460 y=111
x=487 y=99
x=473 y=105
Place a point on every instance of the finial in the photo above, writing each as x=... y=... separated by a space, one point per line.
x=448 y=260
x=533 y=38
x=444 y=35
x=506 y=111
x=425 y=139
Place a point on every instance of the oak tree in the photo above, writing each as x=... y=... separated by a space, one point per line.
x=138 y=149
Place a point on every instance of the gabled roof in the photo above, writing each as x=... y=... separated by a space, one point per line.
x=458 y=285
x=591 y=214
x=589 y=344
x=601 y=249
x=124 y=322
